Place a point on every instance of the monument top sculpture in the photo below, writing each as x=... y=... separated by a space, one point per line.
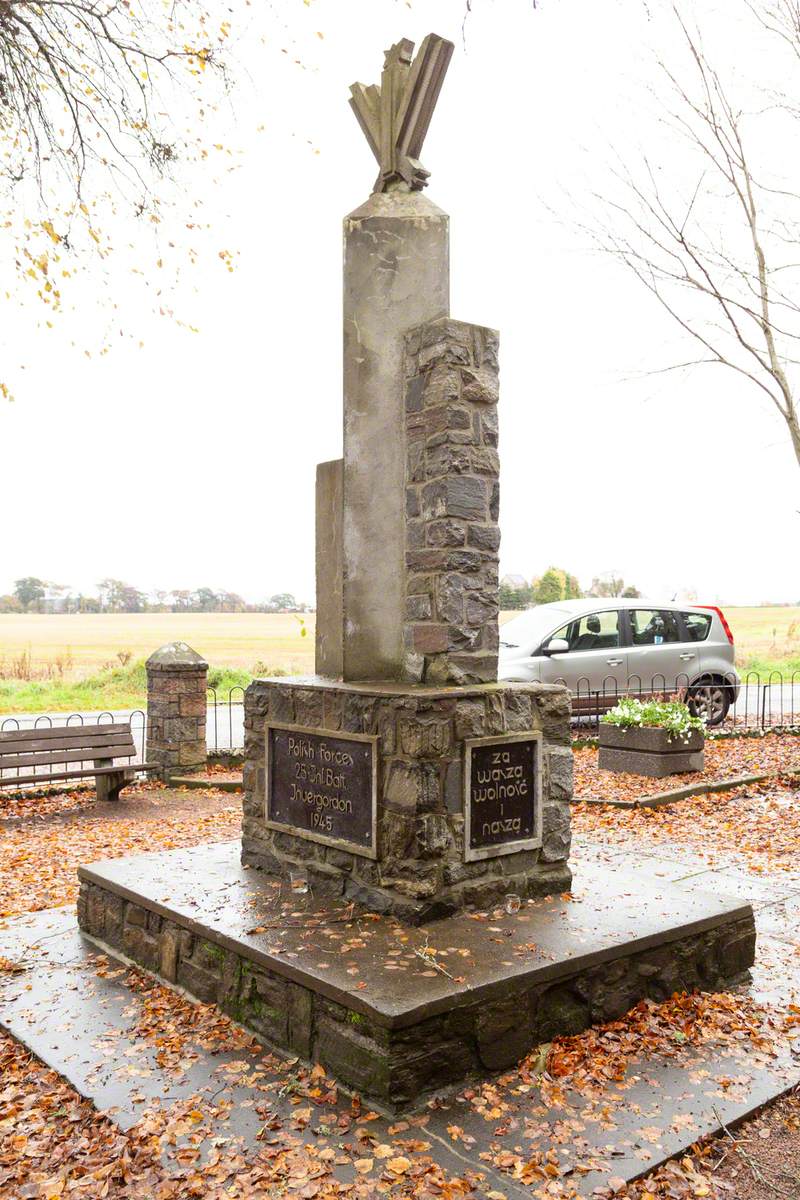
x=396 y=115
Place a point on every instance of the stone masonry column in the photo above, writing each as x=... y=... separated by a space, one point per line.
x=452 y=504
x=176 y=709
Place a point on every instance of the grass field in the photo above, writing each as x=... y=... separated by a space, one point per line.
x=67 y=663
x=767 y=639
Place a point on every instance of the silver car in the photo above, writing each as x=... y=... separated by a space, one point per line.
x=602 y=649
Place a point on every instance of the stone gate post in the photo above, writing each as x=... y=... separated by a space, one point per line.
x=176 y=709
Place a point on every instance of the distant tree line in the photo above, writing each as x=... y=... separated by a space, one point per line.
x=557 y=584
x=35 y=595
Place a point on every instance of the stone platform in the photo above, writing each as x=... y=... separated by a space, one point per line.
x=394 y=1011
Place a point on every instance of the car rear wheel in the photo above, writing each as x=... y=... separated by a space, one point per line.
x=710 y=700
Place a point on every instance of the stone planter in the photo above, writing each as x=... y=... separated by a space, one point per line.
x=650 y=752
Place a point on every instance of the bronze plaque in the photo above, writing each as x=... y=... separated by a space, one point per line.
x=503 y=795
x=323 y=786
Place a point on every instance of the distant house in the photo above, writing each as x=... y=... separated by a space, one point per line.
x=514 y=582
x=54 y=601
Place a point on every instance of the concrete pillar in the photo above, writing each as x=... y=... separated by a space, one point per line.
x=396 y=277
x=176 y=709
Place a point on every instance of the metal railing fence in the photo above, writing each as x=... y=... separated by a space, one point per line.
x=225 y=721
x=758 y=704
x=762 y=703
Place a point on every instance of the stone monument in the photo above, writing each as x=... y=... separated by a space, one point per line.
x=403 y=778
x=403 y=775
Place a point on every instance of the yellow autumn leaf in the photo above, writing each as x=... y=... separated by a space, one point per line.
x=47 y=226
x=399 y=1165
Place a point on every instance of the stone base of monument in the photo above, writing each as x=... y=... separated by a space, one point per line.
x=412 y=800
x=397 y=1012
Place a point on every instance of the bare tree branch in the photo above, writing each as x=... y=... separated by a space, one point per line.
x=712 y=256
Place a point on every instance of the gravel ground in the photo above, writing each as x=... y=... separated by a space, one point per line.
x=761 y=1159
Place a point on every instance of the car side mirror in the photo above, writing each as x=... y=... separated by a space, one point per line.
x=557 y=646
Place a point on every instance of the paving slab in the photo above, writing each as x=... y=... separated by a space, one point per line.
x=781 y=919
x=86 y=1026
x=733 y=881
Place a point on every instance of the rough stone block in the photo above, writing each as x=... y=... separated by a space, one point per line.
x=484 y=537
x=462 y=496
x=419 y=608
x=140 y=946
x=430 y=639
x=168 y=951
x=445 y=533
x=556 y=832
x=421 y=738
x=503 y=1033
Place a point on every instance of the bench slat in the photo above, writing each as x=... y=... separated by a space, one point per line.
x=22 y=745
x=133 y=768
x=48 y=731
x=56 y=757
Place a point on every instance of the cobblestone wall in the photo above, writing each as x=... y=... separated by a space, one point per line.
x=452 y=503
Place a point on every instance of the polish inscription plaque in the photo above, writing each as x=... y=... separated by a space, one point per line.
x=322 y=786
x=502 y=802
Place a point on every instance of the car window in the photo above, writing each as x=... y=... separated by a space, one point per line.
x=697 y=625
x=596 y=631
x=653 y=627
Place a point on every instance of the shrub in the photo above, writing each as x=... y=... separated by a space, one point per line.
x=671 y=715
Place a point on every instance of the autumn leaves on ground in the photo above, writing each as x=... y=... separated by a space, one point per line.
x=53 y=1143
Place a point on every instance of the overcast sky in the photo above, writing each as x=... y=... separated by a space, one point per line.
x=191 y=461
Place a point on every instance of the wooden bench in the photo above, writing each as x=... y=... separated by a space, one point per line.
x=64 y=752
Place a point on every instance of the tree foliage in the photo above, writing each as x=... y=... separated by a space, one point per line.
x=88 y=93
x=29 y=590
x=116 y=596
x=612 y=585
x=79 y=86
x=555 y=584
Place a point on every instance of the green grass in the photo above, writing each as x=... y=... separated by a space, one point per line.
x=222 y=679
x=763 y=667
x=111 y=688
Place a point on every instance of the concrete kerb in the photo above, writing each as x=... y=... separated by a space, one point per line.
x=661 y=799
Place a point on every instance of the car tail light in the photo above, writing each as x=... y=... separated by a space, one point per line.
x=721 y=615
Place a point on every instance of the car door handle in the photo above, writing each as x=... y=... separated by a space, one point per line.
x=686 y=657
x=614 y=662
